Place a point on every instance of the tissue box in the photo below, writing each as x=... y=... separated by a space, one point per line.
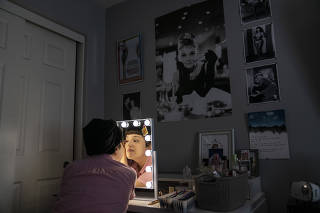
x=221 y=194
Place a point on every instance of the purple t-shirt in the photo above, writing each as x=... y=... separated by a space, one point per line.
x=96 y=184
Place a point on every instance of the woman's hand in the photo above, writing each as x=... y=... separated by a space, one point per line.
x=196 y=71
x=124 y=158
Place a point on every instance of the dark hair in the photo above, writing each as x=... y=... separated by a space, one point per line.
x=186 y=39
x=260 y=28
x=101 y=137
x=137 y=131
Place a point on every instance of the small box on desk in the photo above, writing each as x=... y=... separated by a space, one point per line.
x=181 y=201
x=221 y=194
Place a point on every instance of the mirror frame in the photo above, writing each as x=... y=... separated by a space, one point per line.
x=146 y=193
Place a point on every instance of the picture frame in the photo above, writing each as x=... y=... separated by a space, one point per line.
x=251 y=11
x=131 y=105
x=249 y=161
x=259 y=43
x=217 y=139
x=129 y=56
x=263 y=84
x=254 y=162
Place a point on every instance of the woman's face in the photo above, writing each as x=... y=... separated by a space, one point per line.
x=259 y=32
x=135 y=147
x=187 y=56
x=258 y=78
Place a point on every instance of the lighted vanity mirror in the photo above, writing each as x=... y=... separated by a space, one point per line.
x=137 y=136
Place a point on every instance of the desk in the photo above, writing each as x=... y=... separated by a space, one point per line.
x=256 y=205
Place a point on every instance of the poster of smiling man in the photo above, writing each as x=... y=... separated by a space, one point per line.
x=192 y=63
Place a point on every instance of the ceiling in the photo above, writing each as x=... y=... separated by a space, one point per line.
x=108 y=3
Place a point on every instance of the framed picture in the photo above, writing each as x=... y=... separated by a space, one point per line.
x=131 y=108
x=213 y=142
x=259 y=43
x=129 y=59
x=249 y=161
x=252 y=10
x=254 y=162
x=263 y=84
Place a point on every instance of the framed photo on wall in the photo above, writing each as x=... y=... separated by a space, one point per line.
x=131 y=106
x=211 y=142
x=263 y=84
x=129 y=59
x=249 y=161
x=252 y=10
x=259 y=43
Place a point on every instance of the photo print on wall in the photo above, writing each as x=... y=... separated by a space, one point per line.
x=263 y=84
x=131 y=108
x=259 y=43
x=192 y=63
x=251 y=10
x=129 y=59
x=268 y=134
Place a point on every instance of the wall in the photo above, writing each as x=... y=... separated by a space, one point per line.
x=84 y=17
x=297 y=44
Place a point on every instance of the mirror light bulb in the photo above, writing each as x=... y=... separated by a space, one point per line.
x=149 y=184
x=147 y=122
x=136 y=123
x=148 y=152
x=147 y=137
x=149 y=169
x=124 y=124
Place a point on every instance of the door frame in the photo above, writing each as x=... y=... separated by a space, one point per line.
x=80 y=65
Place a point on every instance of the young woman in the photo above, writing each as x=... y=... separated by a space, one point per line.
x=135 y=156
x=194 y=72
x=99 y=183
x=194 y=79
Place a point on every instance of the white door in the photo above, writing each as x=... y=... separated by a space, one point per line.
x=44 y=84
x=9 y=104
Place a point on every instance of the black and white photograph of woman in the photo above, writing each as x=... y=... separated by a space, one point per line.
x=251 y=10
x=263 y=84
x=131 y=106
x=259 y=43
x=192 y=63
x=129 y=59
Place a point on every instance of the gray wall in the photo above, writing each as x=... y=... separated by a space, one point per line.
x=85 y=17
x=297 y=36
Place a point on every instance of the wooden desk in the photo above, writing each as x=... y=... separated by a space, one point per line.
x=255 y=205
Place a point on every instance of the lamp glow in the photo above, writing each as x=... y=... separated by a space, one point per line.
x=124 y=124
x=148 y=153
x=136 y=123
x=147 y=122
x=149 y=169
x=149 y=184
x=147 y=137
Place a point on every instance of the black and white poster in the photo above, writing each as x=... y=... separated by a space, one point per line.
x=251 y=10
x=259 y=43
x=263 y=84
x=192 y=63
x=131 y=108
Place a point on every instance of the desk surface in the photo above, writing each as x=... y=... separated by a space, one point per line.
x=143 y=207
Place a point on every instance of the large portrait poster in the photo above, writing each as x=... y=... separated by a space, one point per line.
x=268 y=134
x=192 y=63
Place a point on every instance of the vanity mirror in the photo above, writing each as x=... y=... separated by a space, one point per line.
x=137 y=136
